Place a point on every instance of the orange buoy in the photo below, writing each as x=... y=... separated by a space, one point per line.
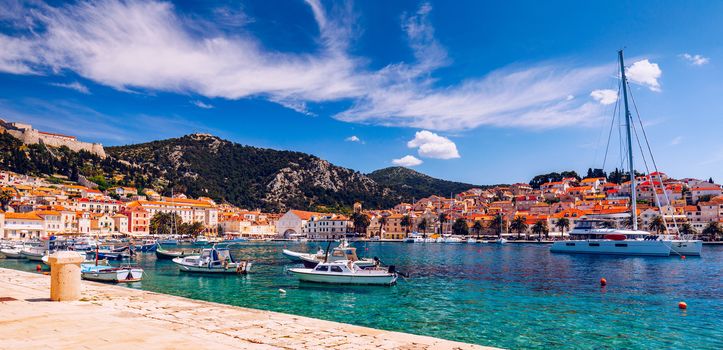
x=682 y=305
x=38 y=267
x=603 y=282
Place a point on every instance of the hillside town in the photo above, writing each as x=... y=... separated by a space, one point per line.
x=36 y=208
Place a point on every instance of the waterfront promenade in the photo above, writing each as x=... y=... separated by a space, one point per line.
x=114 y=317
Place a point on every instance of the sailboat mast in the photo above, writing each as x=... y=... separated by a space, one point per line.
x=628 y=127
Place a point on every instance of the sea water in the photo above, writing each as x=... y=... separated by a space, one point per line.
x=510 y=296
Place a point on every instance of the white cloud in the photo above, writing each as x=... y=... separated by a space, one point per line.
x=201 y=104
x=696 y=60
x=431 y=145
x=605 y=96
x=645 y=73
x=676 y=141
x=352 y=138
x=408 y=160
x=73 y=86
x=136 y=45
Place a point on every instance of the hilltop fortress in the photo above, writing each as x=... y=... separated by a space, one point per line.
x=28 y=135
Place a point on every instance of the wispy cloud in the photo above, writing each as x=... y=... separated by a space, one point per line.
x=605 y=96
x=146 y=45
x=696 y=60
x=201 y=104
x=73 y=86
x=352 y=138
x=407 y=161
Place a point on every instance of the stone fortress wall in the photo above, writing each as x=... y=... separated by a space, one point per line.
x=28 y=135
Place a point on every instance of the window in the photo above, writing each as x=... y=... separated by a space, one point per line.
x=335 y=269
x=322 y=268
x=621 y=244
x=594 y=244
x=570 y=244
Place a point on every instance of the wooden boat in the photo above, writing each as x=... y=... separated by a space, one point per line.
x=212 y=260
x=346 y=272
x=105 y=273
x=165 y=254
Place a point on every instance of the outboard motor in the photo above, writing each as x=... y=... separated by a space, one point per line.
x=392 y=269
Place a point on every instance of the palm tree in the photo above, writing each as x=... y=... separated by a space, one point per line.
x=460 y=227
x=422 y=226
x=540 y=228
x=712 y=230
x=519 y=225
x=361 y=222
x=477 y=227
x=5 y=197
x=687 y=230
x=498 y=223
x=382 y=222
x=442 y=219
x=562 y=224
x=406 y=223
x=657 y=225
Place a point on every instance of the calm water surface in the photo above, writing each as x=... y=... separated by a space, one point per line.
x=511 y=296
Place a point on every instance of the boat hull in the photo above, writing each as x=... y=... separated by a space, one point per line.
x=611 y=247
x=32 y=256
x=232 y=268
x=11 y=253
x=293 y=256
x=307 y=276
x=686 y=247
x=114 y=275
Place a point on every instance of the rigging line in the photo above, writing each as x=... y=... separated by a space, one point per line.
x=655 y=165
x=612 y=124
x=650 y=178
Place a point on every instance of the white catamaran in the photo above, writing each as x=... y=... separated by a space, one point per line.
x=595 y=236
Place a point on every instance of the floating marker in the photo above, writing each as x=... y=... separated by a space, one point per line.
x=603 y=282
x=682 y=257
x=682 y=305
x=282 y=291
x=38 y=267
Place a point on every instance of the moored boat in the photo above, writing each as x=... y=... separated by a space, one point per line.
x=296 y=256
x=343 y=252
x=105 y=273
x=33 y=253
x=212 y=260
x=12 y=253
x=165 y=254
x=346 y=272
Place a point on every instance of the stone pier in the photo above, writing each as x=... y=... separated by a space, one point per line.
x=114 y=317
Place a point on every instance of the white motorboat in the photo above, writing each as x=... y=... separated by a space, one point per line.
x=500 y=240
x=106 y=273
x=429 y=240
x=12 y=253
x=471 y=240
x=439 y=240
x=212 y=260
x=452 y=239
x=343 y=252
x=346 y=272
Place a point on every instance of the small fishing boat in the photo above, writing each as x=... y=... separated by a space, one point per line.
x=106 y=273
x=212 y=260
x=201 y=241
x=500 y=241
x=343 y=252
x=33 y=253
x=12 y=252
x=147 y=246
x=296 y=256
x=452 y=239
x=346 y=272
x=165 y=254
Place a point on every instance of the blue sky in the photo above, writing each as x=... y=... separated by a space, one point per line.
x=475 y=91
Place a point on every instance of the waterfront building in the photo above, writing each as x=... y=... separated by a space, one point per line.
x=328 y=226
x=23 y=226
x=293 y=223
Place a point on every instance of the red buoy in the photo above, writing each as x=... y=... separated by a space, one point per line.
x=682 y=257
x=603 y=282
x=38 y=267
x=682 y=305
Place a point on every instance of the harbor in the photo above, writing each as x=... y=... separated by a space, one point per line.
x=508 y=296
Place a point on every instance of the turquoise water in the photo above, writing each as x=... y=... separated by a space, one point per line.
x=511 y=296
